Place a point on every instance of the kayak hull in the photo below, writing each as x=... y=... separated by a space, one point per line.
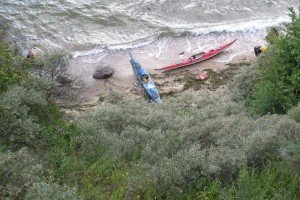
x=145 y=80
x=196 y=58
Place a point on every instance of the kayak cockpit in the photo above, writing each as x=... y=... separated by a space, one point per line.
x=198 y=55
x=145 y=78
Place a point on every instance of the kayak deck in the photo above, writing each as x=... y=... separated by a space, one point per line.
x=145 y=80
x=199 y=57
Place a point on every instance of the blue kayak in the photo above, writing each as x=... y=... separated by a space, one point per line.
x=145 y=80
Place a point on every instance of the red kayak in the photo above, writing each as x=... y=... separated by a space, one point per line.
x=188 y=60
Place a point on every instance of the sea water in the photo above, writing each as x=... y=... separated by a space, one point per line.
x=88 y=26
x=94 y=31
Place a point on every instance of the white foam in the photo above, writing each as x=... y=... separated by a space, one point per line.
x=229 y=58
x=93 y=60
x=202 y=29
x=87 y=52
x=189 y=6
x=244 y=26
x=189 y=45
x=162 y=45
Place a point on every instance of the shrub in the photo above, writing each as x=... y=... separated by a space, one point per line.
x=294 y=113
x=243 y=83
x=53 y=67
x=12 y=67
x=4 y=27
x=23 y=111
x=52 y=64
x=112 y=97
x=270 y=97
x=272 y=182
x=51 y=190
x=19 y=125
x=18 y=170
x=277 y=91
x=25 y=104
x=273 y=34
x=291 y=154
x=180 y=141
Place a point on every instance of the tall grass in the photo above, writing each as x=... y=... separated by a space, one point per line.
x=273 y=182
x=294 y=113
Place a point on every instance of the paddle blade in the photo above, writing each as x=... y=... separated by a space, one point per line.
x=201 y=75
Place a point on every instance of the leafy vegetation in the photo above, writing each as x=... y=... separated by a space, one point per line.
x=4 y=27
x=294 y=113
x=52 y=64
x=11 y=66
x=273 y=182
x=278 y=88
x=18 y=170
x=158 y=150
x=243 y=83
x=192 y=146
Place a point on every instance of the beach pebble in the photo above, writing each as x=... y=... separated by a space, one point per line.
x=103 y=72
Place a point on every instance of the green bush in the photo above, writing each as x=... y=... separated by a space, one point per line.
x=243 y=83
x=12 y=67
x=294 y=113
x=4 y=27
x=18 y=170
x=273 y=182
x=291 y=152
x=52 y=64
x=25 y=99
x=270 y=97
x=24 y=111
x=18 y=126
x=277 y=90
x=168 y=146
x=112 y=97
x=273 y=34
x=51 y=190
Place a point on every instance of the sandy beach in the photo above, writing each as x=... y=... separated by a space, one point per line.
x=153 y=56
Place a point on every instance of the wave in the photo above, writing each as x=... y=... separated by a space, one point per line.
x=91 y=27
x=189 y=30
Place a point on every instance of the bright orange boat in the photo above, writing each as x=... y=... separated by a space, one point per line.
x=189 y=60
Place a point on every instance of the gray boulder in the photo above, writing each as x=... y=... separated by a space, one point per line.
x=34 y=52
x=103 y=72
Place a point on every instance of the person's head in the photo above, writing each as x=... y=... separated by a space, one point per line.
x=144 y=78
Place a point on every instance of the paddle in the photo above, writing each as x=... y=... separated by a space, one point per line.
x=200 y=74
x=142 y=92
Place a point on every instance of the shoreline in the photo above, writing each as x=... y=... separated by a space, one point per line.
x=167 y=82
x=157 y=54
